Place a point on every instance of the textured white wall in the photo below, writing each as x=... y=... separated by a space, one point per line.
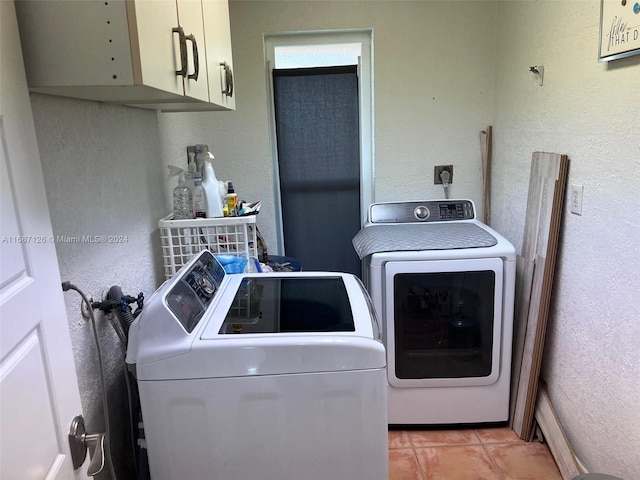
x=590 y=111
x=102 y=175
x=433 y=81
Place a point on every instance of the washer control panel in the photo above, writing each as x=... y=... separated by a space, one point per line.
x=422 y=211
x=193 y=292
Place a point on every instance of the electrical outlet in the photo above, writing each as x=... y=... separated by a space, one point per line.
x=437 y=170
x=576 y=199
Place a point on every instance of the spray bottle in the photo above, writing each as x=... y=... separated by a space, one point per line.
x=182 y=196
x=211 y=187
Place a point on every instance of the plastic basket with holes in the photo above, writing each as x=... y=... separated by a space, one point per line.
x=182 y=239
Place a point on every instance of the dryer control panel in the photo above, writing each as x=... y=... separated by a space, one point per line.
x=422 y=211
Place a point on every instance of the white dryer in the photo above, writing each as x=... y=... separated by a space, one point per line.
x=271 y=376
x=443 y=284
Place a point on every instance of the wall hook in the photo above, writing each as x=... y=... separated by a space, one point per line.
x=538 y=71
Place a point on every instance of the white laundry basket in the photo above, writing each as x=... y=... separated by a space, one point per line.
x=182 y=239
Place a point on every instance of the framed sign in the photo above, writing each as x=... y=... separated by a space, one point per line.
x=619 y=29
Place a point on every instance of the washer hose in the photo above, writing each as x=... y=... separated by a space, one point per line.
x=125 y=316
x=105 y=404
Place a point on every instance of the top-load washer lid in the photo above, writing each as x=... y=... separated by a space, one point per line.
x=266 y=305
x=255 y=324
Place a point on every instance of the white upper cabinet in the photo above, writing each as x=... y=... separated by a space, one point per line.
x=168 y=55
x=218 y=37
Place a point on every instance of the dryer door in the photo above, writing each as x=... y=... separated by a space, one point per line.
x=443 y=322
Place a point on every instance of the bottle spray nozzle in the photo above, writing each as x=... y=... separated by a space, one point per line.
x=202 y=155
x=174 y=171
x=179 y=172
x=191 y=158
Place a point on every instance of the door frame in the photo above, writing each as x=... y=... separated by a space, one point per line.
x=366 y=104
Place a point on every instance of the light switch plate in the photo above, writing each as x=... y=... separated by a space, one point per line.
x=576 y=199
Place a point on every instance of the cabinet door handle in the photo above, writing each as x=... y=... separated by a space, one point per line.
x=196 y=60
x=228 y=80
x=183 y=51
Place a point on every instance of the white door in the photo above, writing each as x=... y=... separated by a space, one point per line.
x=38 y=387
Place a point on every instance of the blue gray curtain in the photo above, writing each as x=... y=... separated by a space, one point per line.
x=317 y=128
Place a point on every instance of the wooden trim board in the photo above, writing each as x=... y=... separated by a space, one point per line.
x=486 y=146
x=534 y=285
x=554 y=435
x=524 y=281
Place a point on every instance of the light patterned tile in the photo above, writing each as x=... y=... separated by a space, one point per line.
x=497 y=435
x=466 y=462
x=399 y=439
x=525 y=461
x=435 y=438
x=403 y=465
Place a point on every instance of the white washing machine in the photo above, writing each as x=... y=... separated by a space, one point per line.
x=443 y=284
x=266 y=376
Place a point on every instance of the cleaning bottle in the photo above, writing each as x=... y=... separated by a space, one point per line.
x=194 y=182
x=211 y=189
x=231 y=201
x=182 y=196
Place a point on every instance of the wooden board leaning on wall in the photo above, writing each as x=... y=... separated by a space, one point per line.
x=534 y=282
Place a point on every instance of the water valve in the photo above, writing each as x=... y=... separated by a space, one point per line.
x=437 y=173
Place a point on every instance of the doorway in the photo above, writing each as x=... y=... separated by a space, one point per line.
x=322 y=143
x=317 y=125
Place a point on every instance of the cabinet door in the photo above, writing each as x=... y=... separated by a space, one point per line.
x=158 y=47
x=218 y=35
x=190 y=19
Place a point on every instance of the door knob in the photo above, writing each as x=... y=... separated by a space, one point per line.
x=80 y=441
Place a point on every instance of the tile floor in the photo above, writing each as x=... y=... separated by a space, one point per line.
x=473 y=454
